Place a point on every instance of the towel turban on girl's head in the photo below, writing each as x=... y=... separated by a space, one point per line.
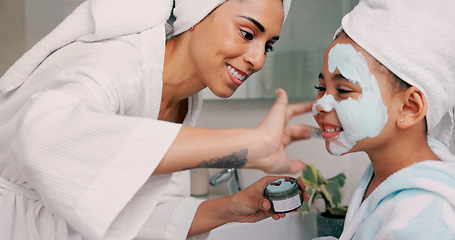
x=414 y=39
x=190 y=12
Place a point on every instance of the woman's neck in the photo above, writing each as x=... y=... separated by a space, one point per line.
x=180 y=79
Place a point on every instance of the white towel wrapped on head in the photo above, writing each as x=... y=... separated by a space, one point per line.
x=189 y=12
x=415 y=40
x=93 y=20
x=96 y=20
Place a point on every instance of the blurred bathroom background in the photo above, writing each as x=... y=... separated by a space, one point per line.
x=293 y=65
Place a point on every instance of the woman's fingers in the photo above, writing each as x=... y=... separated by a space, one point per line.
x=296 y=166
x=277 y=114
x=278 y=133
x=302 y=131
x=299 y=108
x=282 y=97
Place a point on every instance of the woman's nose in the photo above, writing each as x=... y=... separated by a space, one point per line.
x=255 y=57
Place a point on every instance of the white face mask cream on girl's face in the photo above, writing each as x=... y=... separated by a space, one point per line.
x=362 y=117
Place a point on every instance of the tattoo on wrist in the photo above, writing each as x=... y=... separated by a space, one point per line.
x=235 y=160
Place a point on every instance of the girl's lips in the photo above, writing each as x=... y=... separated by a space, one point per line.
x=329 y=135
x=330 y=131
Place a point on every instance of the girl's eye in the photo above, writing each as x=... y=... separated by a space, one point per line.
x=343 y=91
x=319 y=88
x=247 y=35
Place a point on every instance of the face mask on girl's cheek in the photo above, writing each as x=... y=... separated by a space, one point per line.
x=360 y=118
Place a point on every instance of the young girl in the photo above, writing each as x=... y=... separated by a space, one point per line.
x=387 y=82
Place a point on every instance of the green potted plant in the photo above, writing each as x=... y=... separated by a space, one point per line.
x=331 y=191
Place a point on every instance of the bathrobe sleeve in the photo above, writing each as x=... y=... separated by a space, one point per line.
x=83 y=132
x=90 y=166
x=172 y=217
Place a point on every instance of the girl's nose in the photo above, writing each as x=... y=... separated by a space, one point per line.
x=255 y=56
x=324 y=104
x=318 y=108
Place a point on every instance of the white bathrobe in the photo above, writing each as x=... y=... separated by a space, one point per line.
x=417 y=202
x=79 y=141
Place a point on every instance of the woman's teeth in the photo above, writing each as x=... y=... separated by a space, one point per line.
x=236 y=74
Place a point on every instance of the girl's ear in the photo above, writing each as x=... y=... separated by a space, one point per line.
x=414 y=108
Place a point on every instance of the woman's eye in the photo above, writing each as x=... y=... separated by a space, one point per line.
x=247 y=35
x=319 y=88
x=268 y=48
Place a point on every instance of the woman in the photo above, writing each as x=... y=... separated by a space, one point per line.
x=96 y=121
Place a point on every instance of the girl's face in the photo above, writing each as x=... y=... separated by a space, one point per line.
x=352 y=104
x=232 y=42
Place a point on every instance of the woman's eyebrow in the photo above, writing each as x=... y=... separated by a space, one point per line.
x=259 y=26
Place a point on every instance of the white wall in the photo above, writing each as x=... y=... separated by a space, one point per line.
x=248 y=113
x=25 y=22
x=11 y=33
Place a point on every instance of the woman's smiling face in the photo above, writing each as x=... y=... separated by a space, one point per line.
x=231 y=43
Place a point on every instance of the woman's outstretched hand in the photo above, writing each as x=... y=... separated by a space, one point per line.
x=275 y=132
x=262 y=147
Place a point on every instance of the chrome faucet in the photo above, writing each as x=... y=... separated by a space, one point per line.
x=230 y=177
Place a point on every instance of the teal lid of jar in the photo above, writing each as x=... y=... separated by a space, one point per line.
x=283 y=187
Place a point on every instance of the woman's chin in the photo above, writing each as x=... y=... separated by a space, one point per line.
x=227 y=93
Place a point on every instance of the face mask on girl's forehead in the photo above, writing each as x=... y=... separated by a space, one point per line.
x=362 y=117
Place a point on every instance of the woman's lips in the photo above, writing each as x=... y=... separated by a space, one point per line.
x=237 y=76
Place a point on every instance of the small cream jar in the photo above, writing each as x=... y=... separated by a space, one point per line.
x=284 y=194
